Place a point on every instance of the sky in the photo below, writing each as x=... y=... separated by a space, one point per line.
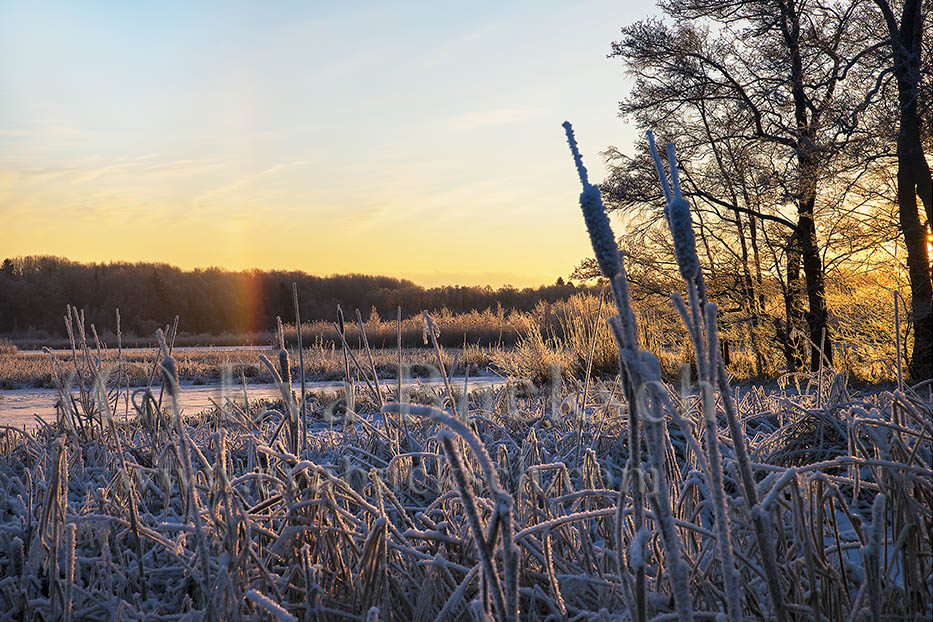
x=421 y=140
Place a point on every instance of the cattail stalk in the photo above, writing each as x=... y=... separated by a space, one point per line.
x=469 y=505
x=285 y=386
x=638 y=370
x=872 y=557
x=679 y=221
x=431 y=329
x=69 y=571
x=302 y=414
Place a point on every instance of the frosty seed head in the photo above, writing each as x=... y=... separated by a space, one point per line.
x=601 y=236
x=284 y=364
x=594 y=215
x=677 y=212
x=170 y=368
x=681 y=226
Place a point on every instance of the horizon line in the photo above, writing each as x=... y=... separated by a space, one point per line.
x=564 y=280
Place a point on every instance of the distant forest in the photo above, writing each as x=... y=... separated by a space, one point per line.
x=35 y=290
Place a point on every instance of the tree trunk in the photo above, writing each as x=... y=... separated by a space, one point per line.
x=794 y=347
x=749 y=293
x=913 y=180
x=907 y=72
x=918 y=268
x=807 y=166
x=759 y=302
x=820 y=339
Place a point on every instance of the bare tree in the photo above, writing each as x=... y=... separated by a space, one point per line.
x=779 y=79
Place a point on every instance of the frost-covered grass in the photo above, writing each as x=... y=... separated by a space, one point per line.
x=216 y=518
x=208 y=365
x=631 y=499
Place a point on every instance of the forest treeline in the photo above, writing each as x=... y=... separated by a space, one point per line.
x=35 y=290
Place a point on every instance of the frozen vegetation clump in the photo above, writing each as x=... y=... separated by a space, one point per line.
x=630 y=500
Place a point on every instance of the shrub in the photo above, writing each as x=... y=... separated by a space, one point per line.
x=7 y=347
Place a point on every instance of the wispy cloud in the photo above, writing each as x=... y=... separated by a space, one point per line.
x=44 y=131
x=82 y=175
x=243 y=185
x=84 y=170
x=182 y=166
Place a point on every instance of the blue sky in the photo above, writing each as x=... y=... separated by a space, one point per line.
x=414 y=139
